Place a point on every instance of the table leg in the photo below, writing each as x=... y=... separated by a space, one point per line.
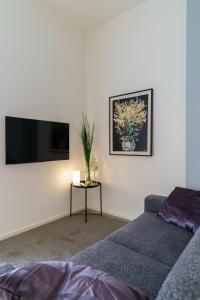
x=71 y=200
x=86 y=205
x=101 y=200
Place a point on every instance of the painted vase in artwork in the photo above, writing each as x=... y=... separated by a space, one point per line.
x=128 y=143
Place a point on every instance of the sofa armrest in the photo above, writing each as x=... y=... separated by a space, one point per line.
x=153 y=203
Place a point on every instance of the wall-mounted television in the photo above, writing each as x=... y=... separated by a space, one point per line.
x=29 y=140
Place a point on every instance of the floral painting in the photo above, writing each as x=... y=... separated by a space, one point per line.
x=131 y=123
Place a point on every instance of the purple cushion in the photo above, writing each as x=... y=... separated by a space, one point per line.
x=64 y=280
x=182 y=208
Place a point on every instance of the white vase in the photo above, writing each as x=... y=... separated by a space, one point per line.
x=128 y=143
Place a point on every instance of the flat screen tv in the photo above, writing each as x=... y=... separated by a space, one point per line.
x=29 y=141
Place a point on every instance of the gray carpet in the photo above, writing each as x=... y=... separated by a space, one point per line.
x=55 y=241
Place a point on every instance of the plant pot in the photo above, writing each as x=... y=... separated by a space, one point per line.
x=88 y=180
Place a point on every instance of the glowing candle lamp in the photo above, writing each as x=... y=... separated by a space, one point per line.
x=76 y=177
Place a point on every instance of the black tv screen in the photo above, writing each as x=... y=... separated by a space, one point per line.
x=30 y=140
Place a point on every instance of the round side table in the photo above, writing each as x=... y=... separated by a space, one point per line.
x=82 y=186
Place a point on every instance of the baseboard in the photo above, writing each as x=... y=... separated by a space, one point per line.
x=120 y=216
x=117 y=215
x=110 y=213
x=38 y=224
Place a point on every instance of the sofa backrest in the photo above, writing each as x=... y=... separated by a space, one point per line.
x=153 y=203
x=183 y=281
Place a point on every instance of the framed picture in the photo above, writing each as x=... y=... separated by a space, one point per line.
x=130 y=121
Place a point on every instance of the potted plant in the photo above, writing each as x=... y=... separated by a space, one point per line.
x=87 y=136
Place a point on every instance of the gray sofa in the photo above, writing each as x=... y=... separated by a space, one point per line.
x=151 y=255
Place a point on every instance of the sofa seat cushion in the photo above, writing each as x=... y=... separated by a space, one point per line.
x=130 y=266
x=153 y=237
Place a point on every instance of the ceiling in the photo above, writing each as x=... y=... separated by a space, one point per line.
x=86 y=14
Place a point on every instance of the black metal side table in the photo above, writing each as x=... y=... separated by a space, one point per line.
x=82 y=186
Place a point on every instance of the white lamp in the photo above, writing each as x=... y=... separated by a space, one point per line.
x=76 y=177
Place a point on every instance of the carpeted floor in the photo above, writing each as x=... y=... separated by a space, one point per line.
x=55 y=241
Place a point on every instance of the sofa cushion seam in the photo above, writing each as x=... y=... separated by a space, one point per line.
x=135 y=250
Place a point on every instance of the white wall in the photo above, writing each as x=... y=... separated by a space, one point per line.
x=193 y=103
x=42 y=75
x=144 y=48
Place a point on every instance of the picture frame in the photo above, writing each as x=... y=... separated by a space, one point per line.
x=131 y=123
